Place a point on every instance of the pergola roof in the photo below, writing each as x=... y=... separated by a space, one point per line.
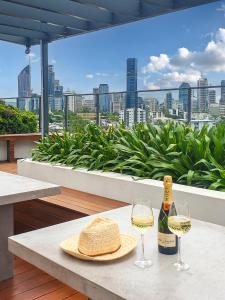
x=27 y=22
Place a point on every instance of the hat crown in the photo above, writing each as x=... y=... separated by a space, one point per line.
x=100 y=236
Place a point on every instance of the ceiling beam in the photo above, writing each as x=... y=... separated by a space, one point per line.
x=23 y=32
x=71 y=8
x=22 y=11
x=12 y=39
x=123 y=7
x=35 y=25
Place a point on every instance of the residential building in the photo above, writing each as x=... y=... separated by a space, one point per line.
x=104 y=100
x=214 y=110
x=131 y=82
x=130 y=115
x=212 y=96
x=183 y=95
x=74 y=101
x=88 y=104
x=116 y=104
x=24 y=89
x=152 y=103
x=202 y=94
x=199 y=124
x=222 y=109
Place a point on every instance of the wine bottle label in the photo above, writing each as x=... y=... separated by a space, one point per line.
x=166 y=240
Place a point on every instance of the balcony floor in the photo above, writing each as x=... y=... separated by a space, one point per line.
x=29 y=282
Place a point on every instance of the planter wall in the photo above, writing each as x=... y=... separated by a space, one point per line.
x=23 y=149
x=205 y=204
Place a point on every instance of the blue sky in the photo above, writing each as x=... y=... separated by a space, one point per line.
x=84 y=62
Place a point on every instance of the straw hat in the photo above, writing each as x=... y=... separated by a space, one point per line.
x=100 y=240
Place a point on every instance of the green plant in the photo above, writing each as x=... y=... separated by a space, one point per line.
x=12 y=120
x=191 y=156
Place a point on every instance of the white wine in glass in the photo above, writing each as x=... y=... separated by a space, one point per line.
x=179 y=223
x=142 y=220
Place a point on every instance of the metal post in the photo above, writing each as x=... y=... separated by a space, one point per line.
x=135 y=107
x=44 y=87
x=66 y=113
x=39 y=113
x=189 y=107
x=97 y=109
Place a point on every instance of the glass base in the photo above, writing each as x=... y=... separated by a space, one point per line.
x=181 y=266
x=143 y=263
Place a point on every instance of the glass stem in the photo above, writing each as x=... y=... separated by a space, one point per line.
x=179 y=259
x=143 y=246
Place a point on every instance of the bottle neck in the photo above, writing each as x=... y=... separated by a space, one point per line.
x=167 y=200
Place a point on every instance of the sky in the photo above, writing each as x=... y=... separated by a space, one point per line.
x=170 y=49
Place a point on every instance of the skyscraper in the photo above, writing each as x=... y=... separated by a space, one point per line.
x=169 y=101
x=212 y=96
x=202 y=94
x=24 y=87
x=131 y=82
x=58 y=95
x=222 y=99
x=51 y=89
x=183 y=95
x=104 y=100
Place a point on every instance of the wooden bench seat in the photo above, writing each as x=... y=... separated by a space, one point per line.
x=11 y=139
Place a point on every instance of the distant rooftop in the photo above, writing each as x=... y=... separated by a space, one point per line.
x=27 y=22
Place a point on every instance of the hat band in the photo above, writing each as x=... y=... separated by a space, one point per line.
x=110 y=252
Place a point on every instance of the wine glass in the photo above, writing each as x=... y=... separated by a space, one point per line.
x=142 y=220
x=179 y=223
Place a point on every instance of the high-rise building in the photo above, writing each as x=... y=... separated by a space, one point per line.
x=222 y=99
x=183 y=95
x=74 y=101
x=58 y=95
x=104 y=100
x=131 y=82
x=24 y=88
x=202 y=94
x=169 y=101
x=152 y=103
x=51 y=87
x=212 y=96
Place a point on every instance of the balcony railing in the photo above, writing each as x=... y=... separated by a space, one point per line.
x=198 y=105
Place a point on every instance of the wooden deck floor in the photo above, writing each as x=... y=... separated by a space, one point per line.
x=29 y=282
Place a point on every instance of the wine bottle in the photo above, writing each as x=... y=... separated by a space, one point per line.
x=167 y=241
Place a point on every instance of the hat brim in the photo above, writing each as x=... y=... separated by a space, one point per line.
x=128 y=243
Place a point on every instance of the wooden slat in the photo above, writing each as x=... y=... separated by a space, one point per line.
x=35 y=284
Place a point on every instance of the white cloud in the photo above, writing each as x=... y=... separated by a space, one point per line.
x=33 y=57
x=101 y=74
x=53 y=61
x=187 y=65
x=157 y=63
x=89 y=76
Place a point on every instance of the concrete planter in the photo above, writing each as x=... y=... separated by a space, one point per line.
x=205 y=204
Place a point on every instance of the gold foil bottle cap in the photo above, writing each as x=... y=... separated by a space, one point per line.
x=168 y=180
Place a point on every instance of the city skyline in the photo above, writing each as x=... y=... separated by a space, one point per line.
x=159 y=44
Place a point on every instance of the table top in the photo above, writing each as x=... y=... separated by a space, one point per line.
x=203 y=249
x=15 y=188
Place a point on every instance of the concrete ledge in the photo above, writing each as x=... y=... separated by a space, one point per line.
x=205 y=204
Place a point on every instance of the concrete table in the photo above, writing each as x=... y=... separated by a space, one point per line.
x=14 y=189
x=203 y=248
